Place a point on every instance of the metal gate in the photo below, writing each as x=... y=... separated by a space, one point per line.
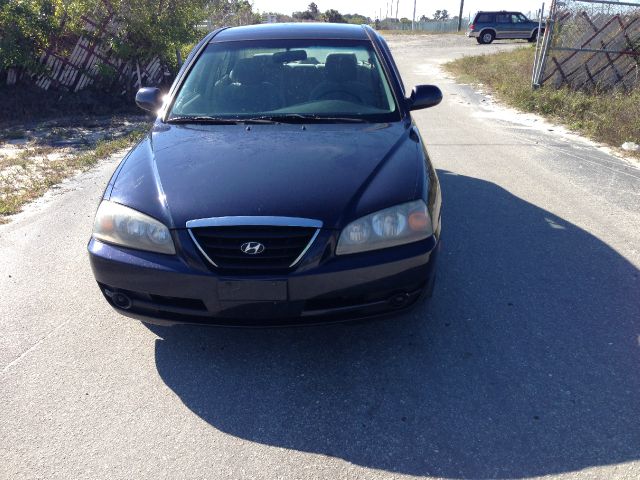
x=590 y=44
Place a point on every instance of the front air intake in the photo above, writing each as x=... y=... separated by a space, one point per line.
x=253 y=249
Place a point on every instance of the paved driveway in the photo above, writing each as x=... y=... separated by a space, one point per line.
x=526 y=363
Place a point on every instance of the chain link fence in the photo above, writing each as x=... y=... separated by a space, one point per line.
x=590 y=44
x=439 y=26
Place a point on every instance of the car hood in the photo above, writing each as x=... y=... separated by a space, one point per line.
x=333 y=173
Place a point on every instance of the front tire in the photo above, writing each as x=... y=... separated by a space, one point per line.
x=533 y=37
x=487 y=37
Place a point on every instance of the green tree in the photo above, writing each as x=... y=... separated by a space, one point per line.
x=232 y=13
x=156 y=27
x=163 y=27
x=311 y=13
x=333 y=16
x=26 y=30
x=306 y=15
x=145 y=28
x=356 y=19
x=280 y=17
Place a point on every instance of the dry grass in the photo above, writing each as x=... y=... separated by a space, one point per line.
x=608 y=117
x=32 y=172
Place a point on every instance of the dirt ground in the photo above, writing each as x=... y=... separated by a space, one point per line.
x=37 y=155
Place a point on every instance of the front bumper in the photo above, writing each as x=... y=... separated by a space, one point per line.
x=183 y=288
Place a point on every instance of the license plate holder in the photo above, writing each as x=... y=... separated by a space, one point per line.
x=252 y=290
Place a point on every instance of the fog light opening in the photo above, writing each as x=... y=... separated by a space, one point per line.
x=399 y=300
x=120 y=300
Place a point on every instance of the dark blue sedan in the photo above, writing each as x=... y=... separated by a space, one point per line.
x=283 y=182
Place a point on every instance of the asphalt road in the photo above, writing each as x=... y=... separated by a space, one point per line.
x=525 y=363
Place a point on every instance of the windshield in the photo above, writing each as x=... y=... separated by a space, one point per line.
x=286 y=80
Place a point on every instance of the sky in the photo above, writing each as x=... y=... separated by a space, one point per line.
x=372 y=8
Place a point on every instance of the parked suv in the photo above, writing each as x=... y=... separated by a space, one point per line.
x=489 y=26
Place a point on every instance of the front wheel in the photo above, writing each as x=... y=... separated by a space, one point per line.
x=487 y=37
x=533 y=37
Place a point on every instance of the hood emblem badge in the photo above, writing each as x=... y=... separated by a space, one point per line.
x=252 y=248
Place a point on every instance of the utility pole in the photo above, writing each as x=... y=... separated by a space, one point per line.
x=460 y=16
x=397 y=5
x=413 y=21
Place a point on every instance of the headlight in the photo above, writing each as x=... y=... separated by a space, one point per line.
x=125 y=226
x=393 y=226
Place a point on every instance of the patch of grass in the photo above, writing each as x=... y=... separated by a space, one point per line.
x=106 y=148
x=34 y=179
x=611 y=117
x=23 y=158
x=61 y=133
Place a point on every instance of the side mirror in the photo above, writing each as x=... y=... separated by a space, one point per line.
x=424 y=96
x=149 y=98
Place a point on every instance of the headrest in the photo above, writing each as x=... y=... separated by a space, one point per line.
x=247 y=71
x=341 y=67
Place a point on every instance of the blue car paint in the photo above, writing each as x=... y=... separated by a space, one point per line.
x=330 y=172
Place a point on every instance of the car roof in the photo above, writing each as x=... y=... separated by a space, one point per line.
x=498 y=11
x=279 y=31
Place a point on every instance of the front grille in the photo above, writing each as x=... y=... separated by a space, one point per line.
x=283 y=245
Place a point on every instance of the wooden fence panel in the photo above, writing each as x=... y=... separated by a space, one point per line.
x=83 y=66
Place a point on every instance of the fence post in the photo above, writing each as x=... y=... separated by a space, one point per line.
x=138 y=74
x=12 y=76
x=548 y=33
x=460 y=15
x=413 y=21
x=536 y=56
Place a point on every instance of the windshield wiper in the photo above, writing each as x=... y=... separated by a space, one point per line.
x=217 y=120
x=202 y=119
x=342 y=119
x=300 y=118
x=267 y=119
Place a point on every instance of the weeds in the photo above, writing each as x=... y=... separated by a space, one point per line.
x=32 y=172
x=606 y=116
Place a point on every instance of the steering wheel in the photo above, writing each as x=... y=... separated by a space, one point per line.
x=339 y=93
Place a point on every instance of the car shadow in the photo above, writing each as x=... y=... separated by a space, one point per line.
x=526 y=361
